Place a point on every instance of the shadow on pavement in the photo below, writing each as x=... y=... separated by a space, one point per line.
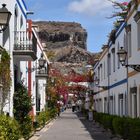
x=95 y=130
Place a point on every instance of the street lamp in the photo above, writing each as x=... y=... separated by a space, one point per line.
x=96 y=81
x=97 y=84
x=4 y=17
x=42 y=61
x=122 y=54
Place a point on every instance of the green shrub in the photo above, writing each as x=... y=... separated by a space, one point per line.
x=107 y=121
x=22 y=103
x=9 y=128
x=134 y=131
x=26 y=127
x=52 y=112
x=97 y=116
x=118 y=125
x=127 y=128
x=42 y=118
x=22 y=107
x=121 y=126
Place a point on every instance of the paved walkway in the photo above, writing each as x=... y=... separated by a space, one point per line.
x=72 y=126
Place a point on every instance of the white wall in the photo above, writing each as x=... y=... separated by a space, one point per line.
x=7 y=41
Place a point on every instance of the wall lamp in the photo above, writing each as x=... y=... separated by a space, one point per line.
x=5 y=16
x=122 y=54
x=97 y=84
x=41 y=63
x=96 y=80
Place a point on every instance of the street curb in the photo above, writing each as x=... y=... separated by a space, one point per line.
x=38 y=129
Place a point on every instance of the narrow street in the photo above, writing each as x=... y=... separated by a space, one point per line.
x=72 y=126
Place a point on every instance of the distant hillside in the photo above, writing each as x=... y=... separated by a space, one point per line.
x=56 y=33
x=65 y=42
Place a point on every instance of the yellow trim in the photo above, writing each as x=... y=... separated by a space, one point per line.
x=103 y=54
x=138 y=49
x=130 y=14
x=103 y=90
x=131 y=74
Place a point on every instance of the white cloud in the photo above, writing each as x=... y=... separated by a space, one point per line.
x=90 y=7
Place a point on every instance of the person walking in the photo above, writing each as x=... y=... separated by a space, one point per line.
x=73 y=106
x=58 y=109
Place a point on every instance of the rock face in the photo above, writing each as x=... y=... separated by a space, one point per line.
x=65 y=43
x=56 y=34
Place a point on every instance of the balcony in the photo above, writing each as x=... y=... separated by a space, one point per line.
x=25 y=46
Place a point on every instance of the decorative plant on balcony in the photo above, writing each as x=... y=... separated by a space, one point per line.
x=136 y=3
x=122 y=7
x=112 y=36
x=5 y=79
x=121 y=12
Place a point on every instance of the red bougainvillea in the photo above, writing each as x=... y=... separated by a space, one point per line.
x=63 y=86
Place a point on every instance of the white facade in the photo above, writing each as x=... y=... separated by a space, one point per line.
x=133 y=58
x=40 y=80
x=18 y=10
x=118 y=91
x=20 y=33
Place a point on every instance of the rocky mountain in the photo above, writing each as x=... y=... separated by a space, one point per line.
x=65 y=42
x=61 y=34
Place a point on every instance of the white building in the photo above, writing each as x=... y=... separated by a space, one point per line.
x=119 y=86
x=22 y=43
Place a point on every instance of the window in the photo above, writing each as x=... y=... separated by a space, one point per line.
x=21 y=22
x=104 y=70
x=133 y=101
x=105 y=105
x=113 y=54
x=128 y=38
x=138 y=34
x=111 y=105
x=101 y=69
x=125 y=42
x=109 y=64
x=16 y=18
x=134 y=105
x=129 y=44
x=98 y=72
x=114 y=105
x=100 y=105
x=118 y=56
x=121 y=107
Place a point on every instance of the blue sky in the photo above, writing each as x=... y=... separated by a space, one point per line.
x=91 y=14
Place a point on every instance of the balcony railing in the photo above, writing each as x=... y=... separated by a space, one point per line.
x=25 y=45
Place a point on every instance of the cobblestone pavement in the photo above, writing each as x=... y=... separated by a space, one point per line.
x=72 y=126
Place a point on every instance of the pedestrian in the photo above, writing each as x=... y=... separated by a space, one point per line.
x=58 y=109
x=87 y=103
x=73 y=106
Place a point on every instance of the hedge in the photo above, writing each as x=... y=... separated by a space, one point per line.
x=44 y=116
x=126 y=127
x=9 y=128
x=26 y=127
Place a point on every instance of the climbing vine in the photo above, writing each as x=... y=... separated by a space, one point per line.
x=5 y=78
